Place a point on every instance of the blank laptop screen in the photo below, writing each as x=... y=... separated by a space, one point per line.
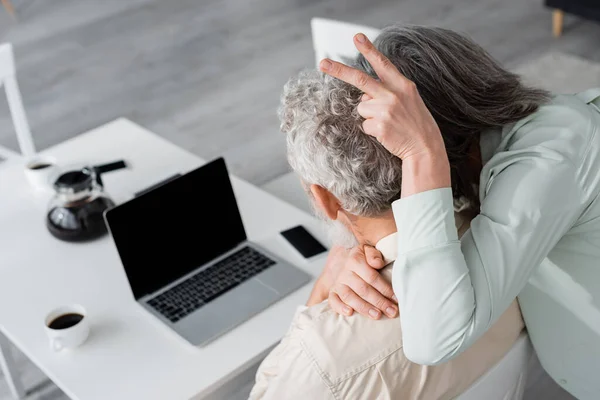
x=175 y=228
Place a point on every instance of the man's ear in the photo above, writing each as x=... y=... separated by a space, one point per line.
x=326 y=201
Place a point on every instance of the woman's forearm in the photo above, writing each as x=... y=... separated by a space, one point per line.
x=427 y=225
x=432 y=281
x=425 y=171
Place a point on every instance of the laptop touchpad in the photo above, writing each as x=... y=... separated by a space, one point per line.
x=226 y=311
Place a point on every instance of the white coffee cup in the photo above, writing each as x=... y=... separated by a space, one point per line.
x=39 y=170
x=67 y=327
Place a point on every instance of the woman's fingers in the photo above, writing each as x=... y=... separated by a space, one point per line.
x=374 y=257
x=367 y=109
x=365 y=97
x=356 y=78
x=372 y=127
x=360 y=287
x=368 y=284
x=353 y=300
x=370 y=293
x=338 y=305
x=385 y=70
x=372 y=279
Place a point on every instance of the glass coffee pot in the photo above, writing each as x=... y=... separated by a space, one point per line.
x=76 y=210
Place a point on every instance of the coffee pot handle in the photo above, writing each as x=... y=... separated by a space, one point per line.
x=112 y=166
x=98 y=174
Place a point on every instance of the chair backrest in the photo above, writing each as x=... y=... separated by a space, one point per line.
x=506 y=380
x=8 y=79
x=333 y=39
x=7 y=61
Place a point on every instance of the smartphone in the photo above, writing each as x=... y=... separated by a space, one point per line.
x=303 y=241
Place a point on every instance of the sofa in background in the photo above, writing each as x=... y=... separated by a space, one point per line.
x=589 y=9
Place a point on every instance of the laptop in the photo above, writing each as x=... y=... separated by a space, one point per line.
x=187 y=258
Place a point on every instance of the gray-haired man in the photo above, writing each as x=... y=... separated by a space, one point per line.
x=352 y=182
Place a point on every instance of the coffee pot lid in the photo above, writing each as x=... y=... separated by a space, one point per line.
x=75 y=181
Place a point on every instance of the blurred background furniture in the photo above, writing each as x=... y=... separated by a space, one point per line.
x=333 y=39
x=9 y=369
x=8 y=79
x=8 y=7
x=584 y=8
x=507 y=379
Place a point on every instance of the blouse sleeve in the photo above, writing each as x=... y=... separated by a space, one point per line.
x=450 y=291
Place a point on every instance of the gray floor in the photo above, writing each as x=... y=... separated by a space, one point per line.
x=207 y=74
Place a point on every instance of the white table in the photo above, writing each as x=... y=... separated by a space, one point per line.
x=129 y=355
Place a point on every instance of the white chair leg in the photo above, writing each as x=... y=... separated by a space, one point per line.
x=15 y=103
x=9 y=369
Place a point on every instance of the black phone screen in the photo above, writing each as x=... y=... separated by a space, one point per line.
x=303 y=241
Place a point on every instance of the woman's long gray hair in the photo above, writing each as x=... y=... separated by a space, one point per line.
x=464 y=88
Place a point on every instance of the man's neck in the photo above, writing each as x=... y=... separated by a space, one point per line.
x=372 y=230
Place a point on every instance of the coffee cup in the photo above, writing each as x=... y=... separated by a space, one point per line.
x=67 y=327
x=39 y=170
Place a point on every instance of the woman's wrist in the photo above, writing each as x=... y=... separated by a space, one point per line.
x=426 y=170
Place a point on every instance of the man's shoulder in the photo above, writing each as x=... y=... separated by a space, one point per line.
x=341 y=347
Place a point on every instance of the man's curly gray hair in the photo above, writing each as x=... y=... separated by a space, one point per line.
x=328 y=148
x=464 y=88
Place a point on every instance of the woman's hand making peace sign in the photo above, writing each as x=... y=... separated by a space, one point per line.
x=393 y=110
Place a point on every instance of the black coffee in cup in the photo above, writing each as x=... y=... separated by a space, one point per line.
x=65 y=321
x=39 y=166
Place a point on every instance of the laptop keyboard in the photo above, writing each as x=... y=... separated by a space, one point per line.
x=202 y=288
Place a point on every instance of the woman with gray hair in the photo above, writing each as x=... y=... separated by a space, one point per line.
x=467 y=132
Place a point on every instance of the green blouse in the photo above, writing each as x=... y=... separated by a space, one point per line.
x=537 y=237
